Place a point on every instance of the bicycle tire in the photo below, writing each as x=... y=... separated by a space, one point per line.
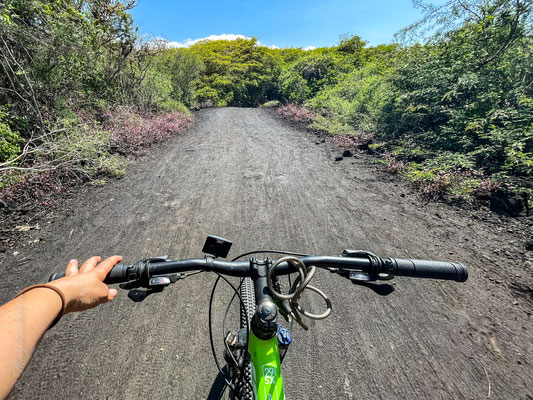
x=248 y=298
x=243 y=382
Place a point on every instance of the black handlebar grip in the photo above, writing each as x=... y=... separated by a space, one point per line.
x=429 y=269
x=118 y=274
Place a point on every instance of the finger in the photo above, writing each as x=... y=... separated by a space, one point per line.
x=90 y=264
x=105 y=266
x=72 y=268
x=111 y=295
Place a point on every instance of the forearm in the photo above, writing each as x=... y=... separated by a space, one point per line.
x=23 y=322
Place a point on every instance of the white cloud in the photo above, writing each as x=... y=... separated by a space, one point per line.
x=224 y=36
x=190 y=42
x=175 y=44
x=309 y=48
x=273 y=46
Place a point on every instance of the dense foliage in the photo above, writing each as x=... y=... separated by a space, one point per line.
x=468 y=97
x=236 y=72
x=453 y=112
x=69 y=71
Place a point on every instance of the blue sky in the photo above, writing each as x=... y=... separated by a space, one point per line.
x=288 y=23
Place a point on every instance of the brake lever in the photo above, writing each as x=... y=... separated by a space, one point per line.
x=363 y=277
x=383 y=289
x=155 y=284
x=359 y=276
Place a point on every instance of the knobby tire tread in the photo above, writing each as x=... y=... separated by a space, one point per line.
x=243 y=383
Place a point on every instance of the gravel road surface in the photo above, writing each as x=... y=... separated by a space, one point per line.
x=247 y=176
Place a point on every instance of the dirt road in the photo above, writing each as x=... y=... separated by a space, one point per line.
x=244 y=175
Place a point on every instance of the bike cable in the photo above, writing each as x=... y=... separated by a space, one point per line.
x=273 y=252
x=211 y=327
x=300 y=284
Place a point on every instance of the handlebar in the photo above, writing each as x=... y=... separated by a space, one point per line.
x=429 y=269
x=372 y=265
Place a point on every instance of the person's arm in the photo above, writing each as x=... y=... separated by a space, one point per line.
x=25 y=319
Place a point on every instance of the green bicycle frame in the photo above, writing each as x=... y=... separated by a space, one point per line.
x=266 y=368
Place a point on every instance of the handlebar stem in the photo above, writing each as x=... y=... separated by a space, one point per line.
x=264 y=323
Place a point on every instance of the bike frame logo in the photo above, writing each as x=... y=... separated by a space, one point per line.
x=269 y=373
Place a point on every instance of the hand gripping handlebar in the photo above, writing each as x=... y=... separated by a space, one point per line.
x=393 y=266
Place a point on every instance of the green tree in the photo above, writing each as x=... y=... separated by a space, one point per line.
x=184 y=68
x=466 y=92
x=237 y=72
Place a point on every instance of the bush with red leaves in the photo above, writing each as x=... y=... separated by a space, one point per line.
x=295 y=113
x=37 y=190
x=393 y=165
x=356 y=141
x=132 y=133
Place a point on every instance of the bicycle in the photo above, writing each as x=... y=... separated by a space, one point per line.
x=254 y=352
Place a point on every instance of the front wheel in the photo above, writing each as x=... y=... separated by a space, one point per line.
x=242 y=379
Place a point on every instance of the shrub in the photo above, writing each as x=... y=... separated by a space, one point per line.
x=131 y=133
x=353 y=141
x=37 y=189
x=295 y=113
x=356 y=102
x=76 y=153
x=294 y=88
x=10 y=140
x=271 y=104
x=80 y=151
x=393 y=165
x=330 y=125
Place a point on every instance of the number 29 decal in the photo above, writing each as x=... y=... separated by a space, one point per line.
x=269 y=373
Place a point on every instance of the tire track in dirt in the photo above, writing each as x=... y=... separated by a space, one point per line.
x=245 y=175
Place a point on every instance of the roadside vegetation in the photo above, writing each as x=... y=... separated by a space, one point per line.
x=450 y=106
x=79 y=91
x=454 y=115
